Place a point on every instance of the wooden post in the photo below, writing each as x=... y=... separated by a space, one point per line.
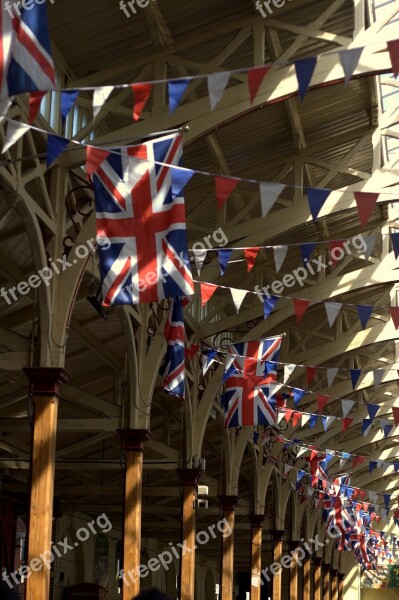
x=341 y=577
x=293 y=595
x=334 y=584
x=188 y=480
x=228 y=505
x=44 y=388
x=277 y=556
x=326 y=570
x=132 y=443
x=306 y=578
x=256 y=554
x=318 y=579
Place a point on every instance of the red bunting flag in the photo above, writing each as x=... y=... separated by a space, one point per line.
x=393 y=48
x=346 y=423
x=224 y=187
x=394 y=310
x=321 y=402
x=207 y=291
x=362 y=494
x=295 y=418
x=35 y=99
x=366 y=202
x=310 y=374
x=288 y=413
x=358 y=460
x=94 y=158
x=141 y=93
x=191 y=351
x=300 y=307
x=250 y=256
x=395 y=412
x=336 y=252
x=255 y=78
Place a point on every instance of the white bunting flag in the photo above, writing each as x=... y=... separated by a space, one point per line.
x=302 y=450
x=269 y=192
x=349 y=60
x=331 y=374
x=347 y=406
x=379 y=464
x=280 y=415
x=332 y=310
x=280 y=252
x=342 y=462
x=310 y=491
x=378 y=375
x=15 y=131
x=238 y=297
x=199 y=257
x=101 y=94
x=287 y=469
x=288 y=371
x=4 y=106
x=369 y=241
x=217 y=83
x=373 y=497
x=305 y=419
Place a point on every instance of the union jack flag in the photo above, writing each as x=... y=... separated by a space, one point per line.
x=173 y=381
x=246 y=399
x=140 y=209
x=25 y=54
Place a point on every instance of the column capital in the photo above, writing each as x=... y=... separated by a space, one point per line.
x=277 y=535
x=189 y=477
x=133 y=439
x=256 y=520
x=293 y=544
x=46 y=381
x=334 y=572
x=317 y=561
x=341 y=576
x=228 y=503
x=326 y=566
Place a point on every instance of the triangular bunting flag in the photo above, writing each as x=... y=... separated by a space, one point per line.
x=310 y=374
x=331 y=374
x=393 y=48
x=280 y=252
x=238 y=297
x=395 y=412
x=288 y=370
x=313 y=420
x=332 y=310
x=378 y=375
x=347 y=406
x=334 y=246
x=300 y=306
x=94 y=158
x=199 y=257
x=224 y=187
x=55 y=146
x=68 y=99
x=176 y=90
x=321 y=402
x=364 y=311
x=217 y=83
x=100 y=95
x=316 y=199
x=355 y=374
x=327 y=421
x=372 y=410
x=366 y=202
x=288 y=413
x=304 y=68
x=366 y=426
x=295 y=418
x=255 y=78
x=394 y=311
x=224 y=257
x=395 y=243
x=250 y=256
x=142 y=92
x=269 y=192
x=349 y=61
x=306 y=252
x=369 y=241
x=298 y=395
x=268 y=305
x=387 y=430
x=35 y=99
x=180 y=178
x=305 y=420
x=15 y=130
x=346 y=423
x=207 y=291
x=5 y=104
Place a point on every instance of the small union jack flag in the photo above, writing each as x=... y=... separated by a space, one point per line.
x=26 y=64
x=246 y=399
x=140 y=209
x=173 y=381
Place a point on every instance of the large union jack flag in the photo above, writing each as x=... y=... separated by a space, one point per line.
x=246 y=399
x=25 y=54
x=173 y=377
x=140 y=209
